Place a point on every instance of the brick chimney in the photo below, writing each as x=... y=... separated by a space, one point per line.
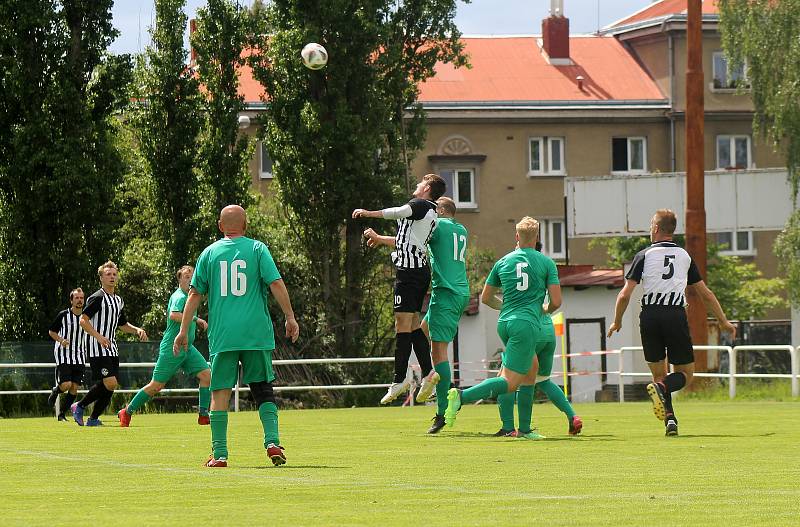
x=555 y=34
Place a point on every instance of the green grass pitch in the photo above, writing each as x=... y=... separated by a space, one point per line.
x=734 y=464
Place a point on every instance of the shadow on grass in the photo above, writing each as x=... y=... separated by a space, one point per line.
x=768 y=434
x=298 y=467
x=482 y=435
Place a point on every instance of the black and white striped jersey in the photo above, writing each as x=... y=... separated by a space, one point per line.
x=415 y=224
x=106 y=313
x=67 y=325
x=664 y=269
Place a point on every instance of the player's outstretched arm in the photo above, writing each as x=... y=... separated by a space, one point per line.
x=623 y=299
x=364 y=213
x=375 y=240
x=713 y=305
x=281 y=294
x=489 y=297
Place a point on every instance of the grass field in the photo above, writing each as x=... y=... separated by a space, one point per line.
x=734 y=464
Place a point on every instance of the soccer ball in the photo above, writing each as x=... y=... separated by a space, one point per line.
x=314 y=56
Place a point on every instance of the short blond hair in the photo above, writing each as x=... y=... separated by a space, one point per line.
x=528 y=230
x=183 y=270
x=666 y=221
x=108 y=265
x=72 y=293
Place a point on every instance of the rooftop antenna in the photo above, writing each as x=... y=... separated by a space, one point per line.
x=598 y=17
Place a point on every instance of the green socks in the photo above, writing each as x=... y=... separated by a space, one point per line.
x=138 y=401
x=268 y=413
x=525 y=407
x=505 y=404
x=204 y=402
x=219 y=433
x=557 y=397
x=486 y=390
x=445 y=378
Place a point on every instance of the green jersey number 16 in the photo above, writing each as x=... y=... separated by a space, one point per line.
x=238 y=280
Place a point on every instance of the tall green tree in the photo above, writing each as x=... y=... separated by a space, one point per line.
x=765 y=36
x=58 y=165
x=223 y=153
x=341 y=137
x=167 y=123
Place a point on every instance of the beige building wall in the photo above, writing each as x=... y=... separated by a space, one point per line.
x=504 y=190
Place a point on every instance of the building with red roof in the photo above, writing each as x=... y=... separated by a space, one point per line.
x=534 y=109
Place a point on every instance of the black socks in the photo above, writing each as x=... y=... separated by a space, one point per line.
x=95 y=392
x=102 y=403
x=422 y=349
x=402 y=352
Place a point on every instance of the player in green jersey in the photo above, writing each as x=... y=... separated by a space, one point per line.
x=237 y=273
x=167 y=365
x=449 y=299
x=545 y=350
x=523 y=276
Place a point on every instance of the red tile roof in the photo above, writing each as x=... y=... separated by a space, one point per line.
x=664 y=8
x=587 y=276
x=251 y=89
x=514 y=69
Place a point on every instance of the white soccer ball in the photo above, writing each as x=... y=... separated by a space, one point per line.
x=314 y=56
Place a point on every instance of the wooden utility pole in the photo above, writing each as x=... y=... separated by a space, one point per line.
x=695 y=174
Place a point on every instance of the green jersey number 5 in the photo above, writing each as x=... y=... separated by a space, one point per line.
x=522 y=285
x=238 y=280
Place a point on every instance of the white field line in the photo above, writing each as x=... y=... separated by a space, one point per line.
x=231 y=472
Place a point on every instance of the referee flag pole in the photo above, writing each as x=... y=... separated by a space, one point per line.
x=558 y=325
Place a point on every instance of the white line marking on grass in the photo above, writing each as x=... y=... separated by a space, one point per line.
x=232 y=472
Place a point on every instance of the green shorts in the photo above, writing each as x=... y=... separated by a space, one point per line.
x=256 y=367
x=167 y=365
x=444 y=312
x=520 y=338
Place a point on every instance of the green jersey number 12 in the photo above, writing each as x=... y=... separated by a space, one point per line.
x=238 y=280
x=456 y=239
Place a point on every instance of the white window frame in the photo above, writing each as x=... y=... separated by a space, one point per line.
x=473 y=204
x=713 y=86
x=546 y=156
x=546 y=237
x=732 y=151
x=734 y=250
x=261 y=173
x=452 y=187
x=629 y=170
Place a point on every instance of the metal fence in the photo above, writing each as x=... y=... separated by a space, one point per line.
x=731 y=376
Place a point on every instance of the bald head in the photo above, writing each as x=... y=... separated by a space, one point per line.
x=233 y=220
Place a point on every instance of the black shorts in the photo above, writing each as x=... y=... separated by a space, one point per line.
x=665 y=333
x=410 y=288
x=103 y=367
x=69 y=373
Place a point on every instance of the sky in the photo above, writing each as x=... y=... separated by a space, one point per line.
x=480 y=17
